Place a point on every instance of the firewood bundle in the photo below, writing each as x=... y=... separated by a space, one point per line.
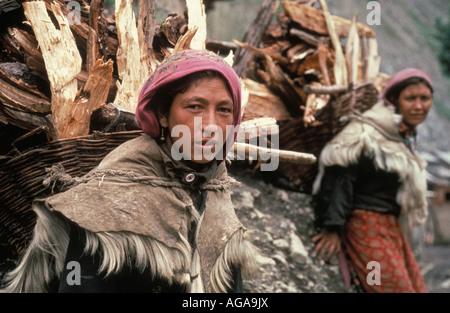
x=309 y=71
x=59 y=69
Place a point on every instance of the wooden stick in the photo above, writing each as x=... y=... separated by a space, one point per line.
x=340 y=65
x=325 y=90
x=283 y=155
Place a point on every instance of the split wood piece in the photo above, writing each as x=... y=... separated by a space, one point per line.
x=106 y=31
x=254 y=34
x=197 y=19
x=89 y=99
x=309 y=38
x=263 y=103
x=24 y=45
x=92 y=48
x=184 y=42
x=325 y=90
x=280 y=83
x=262 y=153
x=340 y=65
x=128 y=57
x=253 y=128
x=61 y=56
x=146 y=32
x=353 y=54
x=372 y=61
x=314 y=103
x=16 y=94
x=272 y=51
x=312 y=19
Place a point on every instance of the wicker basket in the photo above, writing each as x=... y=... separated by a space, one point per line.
x=22 y=175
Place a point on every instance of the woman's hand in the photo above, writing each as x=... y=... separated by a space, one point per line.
x=327 y=240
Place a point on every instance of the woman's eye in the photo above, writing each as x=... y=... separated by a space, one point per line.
x=225 y=110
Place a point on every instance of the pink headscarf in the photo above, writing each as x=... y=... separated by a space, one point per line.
x=175 y=67
x=401 y=76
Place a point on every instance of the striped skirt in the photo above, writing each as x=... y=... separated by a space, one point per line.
x=379 y=255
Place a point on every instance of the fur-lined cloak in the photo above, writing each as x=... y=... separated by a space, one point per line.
x=135 y=208
x=375 y=133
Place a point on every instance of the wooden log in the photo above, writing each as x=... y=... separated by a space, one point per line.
x=353 y=54
x=283 y=86
x=314 y=20
x=263 y=103
x=309 y=38
x=197 y=19
x=257 y=152
x=92 y=48
x=340 y=65
x=146 y=32
x=61 y=56
x=254 y=34
x=16 y=94
x=89 y=99
x=128 y=57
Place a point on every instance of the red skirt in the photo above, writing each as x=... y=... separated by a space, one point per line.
x=370 y=236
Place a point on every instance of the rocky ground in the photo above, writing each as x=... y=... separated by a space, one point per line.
x=280 y=223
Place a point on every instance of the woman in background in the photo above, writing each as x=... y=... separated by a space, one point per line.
x=369 y=176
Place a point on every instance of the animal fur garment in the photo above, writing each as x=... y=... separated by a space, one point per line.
x=140 y=215
x=375 y=133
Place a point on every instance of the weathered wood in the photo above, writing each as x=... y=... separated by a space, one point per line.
x=61 y=56
x=92 y=49
x=314 y=20
x=340 y=65
x=17 y=94
x=197 y=19
x=146 y=32
x=254 y=34
x=257 y=152
x=128 y=57
x=353 y=54
x=89 y=99
x=263 y=103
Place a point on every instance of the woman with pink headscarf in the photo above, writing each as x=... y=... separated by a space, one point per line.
x=156 y=214
x=370 y=177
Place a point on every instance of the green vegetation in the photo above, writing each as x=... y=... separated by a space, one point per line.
x=443 y=35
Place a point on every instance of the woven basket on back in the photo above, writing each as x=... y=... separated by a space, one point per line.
x=22 y=176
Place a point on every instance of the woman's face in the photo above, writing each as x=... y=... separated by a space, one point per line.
x=414 y=102
x=198 y=120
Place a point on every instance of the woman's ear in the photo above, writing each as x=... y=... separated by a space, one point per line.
x=163 y=120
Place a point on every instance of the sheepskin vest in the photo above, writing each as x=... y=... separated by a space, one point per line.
x=375 y=133
x=136 y=208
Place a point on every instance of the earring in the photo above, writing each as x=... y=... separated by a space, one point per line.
x=163 y=135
